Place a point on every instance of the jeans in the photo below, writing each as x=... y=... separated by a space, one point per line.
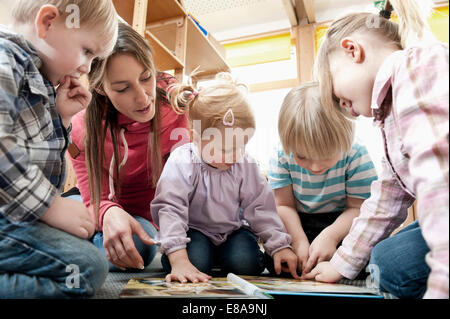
x=39 y=261
x=400 y=262
x=147 y=252
x=239 y=254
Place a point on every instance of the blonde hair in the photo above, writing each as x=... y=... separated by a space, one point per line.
x=306 y=127
x=412 y=26
x=101 y=116
x=99 y=15
x=211 y=104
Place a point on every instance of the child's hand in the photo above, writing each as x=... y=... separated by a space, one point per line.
x=285 y=255
x=323 y=272
x=301 y=249
x=322 y=248
x=71 y=98
x=183 y=270
x=70 y=216
x=118 y=230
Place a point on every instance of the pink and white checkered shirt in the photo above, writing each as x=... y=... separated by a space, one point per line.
x=411 y=105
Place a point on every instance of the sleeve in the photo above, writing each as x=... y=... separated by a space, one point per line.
x=259 y=210
x=360 y=173
x=25 y=192
x=278 y=173
x=422 y=107
x=385 y=209
x=170 y=206
x=80 y=169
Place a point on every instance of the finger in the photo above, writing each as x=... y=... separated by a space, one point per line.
x=312 y=261
x=136 y=228
x=292 y=264
x=192 y=278
x=277 y=265
x=78 y=91
x=169 y=278
x=131 y=252
x=110 y=252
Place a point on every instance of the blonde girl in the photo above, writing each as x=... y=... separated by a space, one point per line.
x=212 y=202
x=391 y=72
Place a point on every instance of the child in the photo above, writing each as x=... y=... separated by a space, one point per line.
x=320 y=177
x=43 y=251
x=205 y=185
x=371 y=73
x=121 y=143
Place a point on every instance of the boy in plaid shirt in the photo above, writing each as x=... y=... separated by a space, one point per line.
x=43 y=248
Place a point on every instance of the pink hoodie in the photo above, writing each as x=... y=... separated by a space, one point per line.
x=135 y=176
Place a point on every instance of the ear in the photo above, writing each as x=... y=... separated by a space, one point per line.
x=353 y=49
x=45 y=18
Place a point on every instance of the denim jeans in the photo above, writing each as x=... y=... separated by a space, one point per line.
x=39 y=261
x=400 y=262
x=147 y=252
x=239 y=254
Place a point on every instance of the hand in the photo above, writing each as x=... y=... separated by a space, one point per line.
x=322 y=248
x=301 y=249
x=118 y=229
x=285 y=255
x=70 y=216
x=183 y=270
x=71 y=98
x=323 y=272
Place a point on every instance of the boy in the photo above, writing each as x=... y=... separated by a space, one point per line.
x=43 y=248
x=319 y=176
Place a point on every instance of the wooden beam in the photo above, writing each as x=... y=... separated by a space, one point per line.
x=140 y=16
x=305 y=46
x=290 y=11
x=180 y=48
x=305 y=11
x=273 y=85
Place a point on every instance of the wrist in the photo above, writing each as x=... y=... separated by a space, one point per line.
x=66 y=121
x=332 y=235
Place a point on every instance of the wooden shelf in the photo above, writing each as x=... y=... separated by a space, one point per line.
x=202 y=53
x=177 y=42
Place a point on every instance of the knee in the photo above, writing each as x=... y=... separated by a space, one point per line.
x=244 y=262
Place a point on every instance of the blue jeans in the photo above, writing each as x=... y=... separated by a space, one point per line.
x=39 y=261
x=239 y=254
x=147 y=252
x=401 y=263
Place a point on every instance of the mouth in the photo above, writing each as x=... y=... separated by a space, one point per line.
x=352 y=111
x=146 y=109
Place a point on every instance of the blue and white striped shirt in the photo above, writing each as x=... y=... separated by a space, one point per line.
x=327 y=192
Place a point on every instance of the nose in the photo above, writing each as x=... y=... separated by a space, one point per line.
x=315 y=167
x=85 y=68
x=141 y=96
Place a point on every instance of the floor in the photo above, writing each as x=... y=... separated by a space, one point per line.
x=116 y=281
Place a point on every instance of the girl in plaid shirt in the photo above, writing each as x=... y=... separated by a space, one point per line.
x=367 y=66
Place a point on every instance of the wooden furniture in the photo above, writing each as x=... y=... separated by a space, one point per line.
x=177 y=43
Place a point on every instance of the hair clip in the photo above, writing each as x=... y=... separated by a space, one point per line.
x=386 y=14
x=228 y=123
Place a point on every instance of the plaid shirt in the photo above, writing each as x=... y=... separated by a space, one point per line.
x=411 y=106
x=32 y=138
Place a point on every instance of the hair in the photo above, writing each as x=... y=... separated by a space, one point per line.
x=102 y=117
x=96 y=14
x=306 y=127
x=412 y=27
x=211 y=104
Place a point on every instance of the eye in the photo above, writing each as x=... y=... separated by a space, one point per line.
x=147 y=78
x=123 y=90
x=301 y=157
x=88 y=52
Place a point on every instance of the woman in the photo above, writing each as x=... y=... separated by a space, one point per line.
x=120 y=144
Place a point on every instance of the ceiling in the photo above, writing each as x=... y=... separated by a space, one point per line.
x=230 y=19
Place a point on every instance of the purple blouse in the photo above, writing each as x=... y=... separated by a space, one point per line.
x=193 y=194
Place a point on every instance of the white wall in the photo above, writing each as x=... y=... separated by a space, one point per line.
x=5 y=11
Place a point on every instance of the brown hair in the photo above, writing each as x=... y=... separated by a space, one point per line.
x=412 y=23
x=306 y=127
x=101 y=116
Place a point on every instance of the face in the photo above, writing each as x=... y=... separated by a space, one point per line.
x=67 y=52
x=317 y=167
x=353 y=81
x=221 y=151
x=130 y=87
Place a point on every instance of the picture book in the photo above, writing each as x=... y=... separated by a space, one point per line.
x=224 y=288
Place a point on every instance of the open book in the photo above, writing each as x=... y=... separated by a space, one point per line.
x=222 y=288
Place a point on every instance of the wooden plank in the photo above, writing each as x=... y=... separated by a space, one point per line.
x=201 y=53
x=290 y=11
x=164 y=59
x=305 y=52
x=164 y=9
x=274 y=85
x=309 y=9
x=181 y=48
x=125 y=9
x=140 y=16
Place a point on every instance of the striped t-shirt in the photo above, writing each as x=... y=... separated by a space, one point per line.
x=327 y=192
